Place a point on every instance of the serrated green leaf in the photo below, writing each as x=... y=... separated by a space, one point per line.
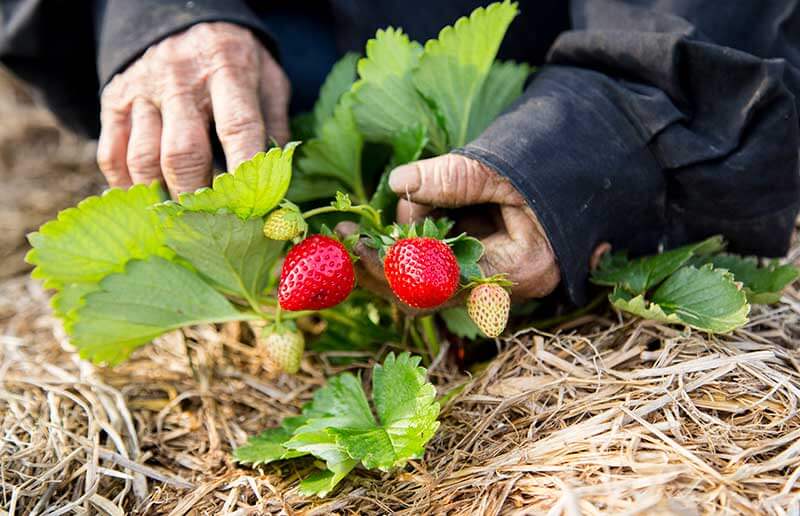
x=459 y=323
x=321 y=483
x=336 y=153
x=149 y=298
x=69 y=298
x=706 y=299
x=763 y=285
x=268 y=446
x=98 y=237
x=232 y=253
x=314 y=439
x=337 y=83
x=454 y=67
x=407 y=412
x=253 y=189
x=385 y=97
x=640 y=275
x=503 y=86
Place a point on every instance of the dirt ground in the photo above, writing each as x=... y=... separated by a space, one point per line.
x=604 y=415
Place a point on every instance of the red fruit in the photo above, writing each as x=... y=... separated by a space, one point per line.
x=317 y=273
x=422 y=272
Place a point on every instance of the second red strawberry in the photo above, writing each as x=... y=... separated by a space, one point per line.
x=317 y=274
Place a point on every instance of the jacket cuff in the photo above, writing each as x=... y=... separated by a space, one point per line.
x=581 y=163
x=127 y=28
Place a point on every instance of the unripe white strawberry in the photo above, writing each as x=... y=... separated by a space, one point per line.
x=488 y=306
x=284 y=224
x=284 y=347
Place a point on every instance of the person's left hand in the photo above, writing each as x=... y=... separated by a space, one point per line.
x=487 y=206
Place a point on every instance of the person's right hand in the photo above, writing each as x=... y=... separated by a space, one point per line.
x=156 y=114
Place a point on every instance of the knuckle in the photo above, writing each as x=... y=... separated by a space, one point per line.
x=236 y=127
x=183 y=160
x=143 y=160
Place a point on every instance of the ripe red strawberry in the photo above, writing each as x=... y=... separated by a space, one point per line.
x=317 y=273
x=422 y=272
x=488 y=306
x=284 y=347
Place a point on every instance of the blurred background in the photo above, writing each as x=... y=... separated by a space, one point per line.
x=43 y=169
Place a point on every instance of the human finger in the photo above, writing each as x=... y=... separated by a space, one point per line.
x=185 y=145
x=144 y=145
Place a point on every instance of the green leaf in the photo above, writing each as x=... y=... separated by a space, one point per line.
x=321 y=443
x=308 y=187
x=763 y=285
x=454 y=67
x=337 y=83
x=232 y=253
x=407 y=146
x=253 y=189
x=640 y=275
x=151 y=297
x=386 y=99
x=459 y=323
x=336 y=153
x=468 y=251
x=321 y=483
x=302 y=127
x=407 y=412
x=69 y=298
x=503 y=86
x=706 y=299
x=98 y=237
x=268 y=446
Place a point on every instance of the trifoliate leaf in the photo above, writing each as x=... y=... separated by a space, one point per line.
x=459 y=323
x=268 y=446
x=706 y=299
x=149 y=298
x=339 y=80
x=232 y=253
x=407 y=412
x=254 y=188
x=386 y=99
x=98 y=237
x=503 y=86
x=336 y=153
x=763 y=285
x=454 y=67
x=640 y=275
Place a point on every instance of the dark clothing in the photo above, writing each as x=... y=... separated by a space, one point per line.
x=651 y=123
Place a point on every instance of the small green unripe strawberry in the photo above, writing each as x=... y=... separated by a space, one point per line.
x=284 y=346
x=284 y=224
x=488 y=306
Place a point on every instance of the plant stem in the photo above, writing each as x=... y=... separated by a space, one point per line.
x=362 y=210
x=430 y=334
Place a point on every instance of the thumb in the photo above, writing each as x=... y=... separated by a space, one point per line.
x=452 y=180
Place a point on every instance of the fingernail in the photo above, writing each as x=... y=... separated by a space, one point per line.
x=404 y=179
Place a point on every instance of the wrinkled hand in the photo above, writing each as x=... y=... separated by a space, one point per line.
x=485 y=205
x=156 y=114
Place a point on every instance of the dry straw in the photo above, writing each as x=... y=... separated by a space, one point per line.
x=606 y=415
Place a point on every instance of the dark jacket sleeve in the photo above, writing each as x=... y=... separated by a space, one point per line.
x=654 y=126
x=125 y=28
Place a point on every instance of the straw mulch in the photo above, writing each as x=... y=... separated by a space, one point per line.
x=607 y=415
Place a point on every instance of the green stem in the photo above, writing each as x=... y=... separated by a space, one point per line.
x=418 y=342
x=362 y=210
x=430 y=334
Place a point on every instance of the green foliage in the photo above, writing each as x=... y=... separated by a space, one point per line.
x=453 y=68
x=253 y=189
x=340 y=428
x=763 y=285
x=149 y=298
x=459 y=323
x=99 y=236
x=502 y=86
x=337 y=83
x=229 y=252
x=693 y=285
